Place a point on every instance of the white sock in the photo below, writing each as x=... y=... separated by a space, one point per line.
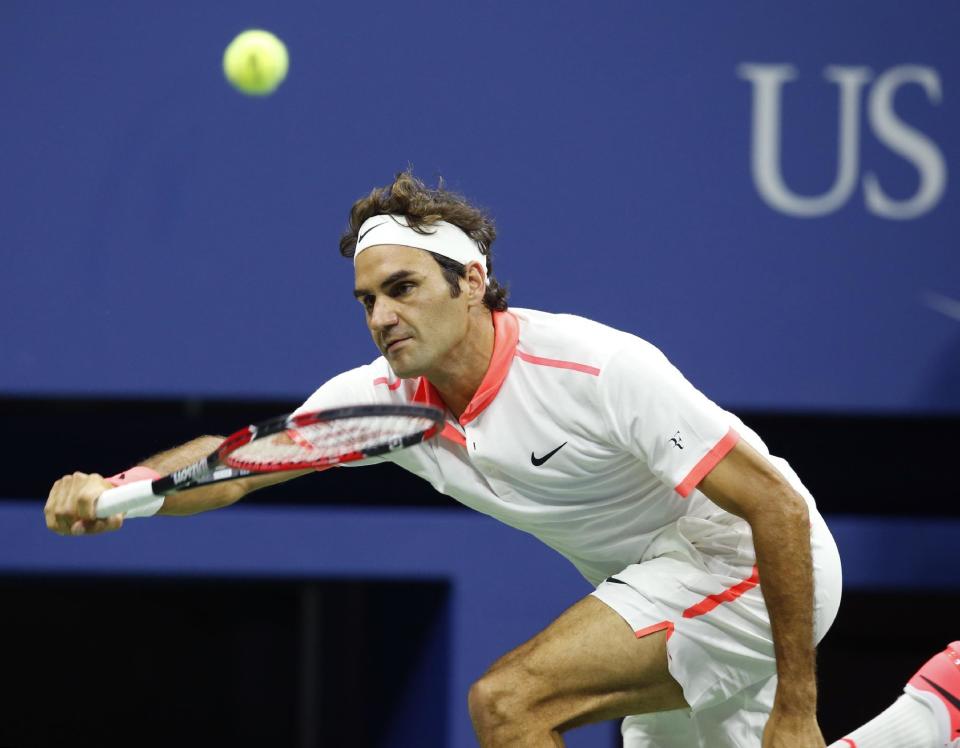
x=908 y=723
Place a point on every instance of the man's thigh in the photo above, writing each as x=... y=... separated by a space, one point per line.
x=587 y=666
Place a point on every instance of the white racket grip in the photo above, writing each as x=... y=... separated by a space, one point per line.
x=135 y=499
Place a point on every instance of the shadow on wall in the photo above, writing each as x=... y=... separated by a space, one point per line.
x=942 y=392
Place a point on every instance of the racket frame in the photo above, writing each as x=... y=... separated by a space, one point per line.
x=217 y=467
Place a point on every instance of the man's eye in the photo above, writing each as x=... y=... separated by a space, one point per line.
x=402 y=288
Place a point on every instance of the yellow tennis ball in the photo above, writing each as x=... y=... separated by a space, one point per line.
x=256 y=62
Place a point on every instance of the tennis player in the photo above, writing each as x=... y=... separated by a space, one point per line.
x=715 y=575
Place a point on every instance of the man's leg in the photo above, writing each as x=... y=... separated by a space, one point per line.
x=587 y=666
x=926 y=716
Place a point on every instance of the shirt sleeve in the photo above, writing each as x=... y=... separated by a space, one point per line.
x=353 y=387
x=653 y=412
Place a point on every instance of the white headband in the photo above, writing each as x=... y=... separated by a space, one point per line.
x=444 y=239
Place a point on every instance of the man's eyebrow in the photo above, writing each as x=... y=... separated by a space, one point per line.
x=388 y=281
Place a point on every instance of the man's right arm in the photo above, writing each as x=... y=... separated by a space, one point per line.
x=214 y=496
x=71 y=505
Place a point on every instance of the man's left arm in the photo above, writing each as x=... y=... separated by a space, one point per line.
x=744 y=483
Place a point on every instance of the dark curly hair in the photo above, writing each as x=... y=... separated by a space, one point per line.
x=422 y=205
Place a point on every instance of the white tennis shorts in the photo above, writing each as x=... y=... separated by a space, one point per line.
x=698 y=582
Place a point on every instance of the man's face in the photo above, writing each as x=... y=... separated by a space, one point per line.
x=412 y=317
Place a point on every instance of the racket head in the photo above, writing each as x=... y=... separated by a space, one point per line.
x=317 y=439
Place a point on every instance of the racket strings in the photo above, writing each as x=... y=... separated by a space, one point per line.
x=327 y=442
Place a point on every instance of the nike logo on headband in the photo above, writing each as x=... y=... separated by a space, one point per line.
x=360 y=238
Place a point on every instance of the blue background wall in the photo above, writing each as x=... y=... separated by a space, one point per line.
x=146 y=206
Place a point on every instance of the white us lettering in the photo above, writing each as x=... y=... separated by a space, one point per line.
x=906 y=141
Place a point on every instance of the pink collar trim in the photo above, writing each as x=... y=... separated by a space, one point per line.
x=506 y=333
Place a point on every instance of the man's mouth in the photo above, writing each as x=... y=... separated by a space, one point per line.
x=392 y=345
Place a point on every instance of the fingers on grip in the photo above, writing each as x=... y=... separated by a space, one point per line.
x=71 y=505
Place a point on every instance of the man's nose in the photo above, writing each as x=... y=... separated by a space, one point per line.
x=383 y=314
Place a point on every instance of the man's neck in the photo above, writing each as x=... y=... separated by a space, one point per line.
x=467 y=364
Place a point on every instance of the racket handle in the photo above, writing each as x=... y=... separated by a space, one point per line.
x=135 y=498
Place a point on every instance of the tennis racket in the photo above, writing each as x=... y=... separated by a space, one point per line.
x=293 y=442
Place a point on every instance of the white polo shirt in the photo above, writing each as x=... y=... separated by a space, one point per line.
x=580 y=434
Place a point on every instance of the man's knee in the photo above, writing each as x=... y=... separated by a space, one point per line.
x=503 y=700
x=490 y=699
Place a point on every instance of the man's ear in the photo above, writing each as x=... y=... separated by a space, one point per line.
x=476 y=281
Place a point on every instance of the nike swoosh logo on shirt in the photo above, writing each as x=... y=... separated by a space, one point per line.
x=538 y=461
x=944 y=692
x=360 y=238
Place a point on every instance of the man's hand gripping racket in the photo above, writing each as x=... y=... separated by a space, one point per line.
x=296 y=442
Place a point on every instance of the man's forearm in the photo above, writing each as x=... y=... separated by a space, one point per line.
x=186 y=454
x=214 y=496
x=746 y=484
x=781 y=537
x=199 y=499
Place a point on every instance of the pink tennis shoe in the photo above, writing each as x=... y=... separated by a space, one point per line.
x=937 y=684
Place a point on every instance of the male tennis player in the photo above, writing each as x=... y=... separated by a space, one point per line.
x=589 y=439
